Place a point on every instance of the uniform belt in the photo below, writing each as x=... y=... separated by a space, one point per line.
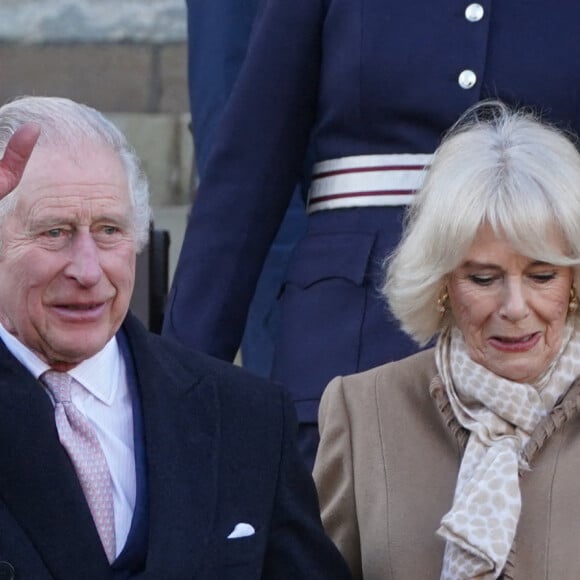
x=366 y=181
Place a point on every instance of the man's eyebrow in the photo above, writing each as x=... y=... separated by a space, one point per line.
x=120 y=217
x=48 y=221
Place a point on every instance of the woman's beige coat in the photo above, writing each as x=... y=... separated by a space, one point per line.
x=387 y=464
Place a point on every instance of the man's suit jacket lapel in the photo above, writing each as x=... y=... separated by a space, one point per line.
x=38 y=483
x=181 y=424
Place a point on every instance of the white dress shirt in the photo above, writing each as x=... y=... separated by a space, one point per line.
x=104 y=399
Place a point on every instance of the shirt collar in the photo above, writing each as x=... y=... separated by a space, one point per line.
x=99 y=374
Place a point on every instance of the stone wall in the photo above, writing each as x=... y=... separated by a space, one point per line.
x=159 y=21
x=126 y=58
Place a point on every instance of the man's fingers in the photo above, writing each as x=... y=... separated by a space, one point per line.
x=20 y=148
x=16 y=156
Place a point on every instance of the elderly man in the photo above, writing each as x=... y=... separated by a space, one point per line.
x=124 y=455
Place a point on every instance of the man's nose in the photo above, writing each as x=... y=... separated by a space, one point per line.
x=85 y=260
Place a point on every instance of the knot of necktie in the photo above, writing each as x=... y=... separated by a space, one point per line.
x=59 y=384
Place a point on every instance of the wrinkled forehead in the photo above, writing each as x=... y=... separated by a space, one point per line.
x=87 y=156
x=53 y=170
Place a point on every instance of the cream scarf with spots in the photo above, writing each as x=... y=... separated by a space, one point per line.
x=501 y=415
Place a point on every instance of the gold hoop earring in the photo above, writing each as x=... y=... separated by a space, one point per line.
x=442 y=302
x=573 y=304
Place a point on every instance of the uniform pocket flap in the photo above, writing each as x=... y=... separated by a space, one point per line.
x=322 y=256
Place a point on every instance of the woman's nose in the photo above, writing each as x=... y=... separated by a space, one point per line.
x=514 y=303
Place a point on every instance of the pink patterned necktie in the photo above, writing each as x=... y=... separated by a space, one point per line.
x=80 y=441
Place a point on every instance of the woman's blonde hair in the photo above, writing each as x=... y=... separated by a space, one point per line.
x=498 y=166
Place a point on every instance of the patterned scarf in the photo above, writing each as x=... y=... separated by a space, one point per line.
x=501 y=415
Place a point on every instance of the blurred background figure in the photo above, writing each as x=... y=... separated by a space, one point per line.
x=369 y=87
x=218 y=36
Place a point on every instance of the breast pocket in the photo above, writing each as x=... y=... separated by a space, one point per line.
x=242 y=557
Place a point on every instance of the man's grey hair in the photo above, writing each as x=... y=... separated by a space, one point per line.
x=497 y=166
x=65 y=123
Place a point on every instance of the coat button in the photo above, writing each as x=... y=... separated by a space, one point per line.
x=467 y=79
x=474 y=12
x=7 y=571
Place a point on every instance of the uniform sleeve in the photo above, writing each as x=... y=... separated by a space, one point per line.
x=255 y=163
x=298 y=547
x=334 y=476
x=218 y=33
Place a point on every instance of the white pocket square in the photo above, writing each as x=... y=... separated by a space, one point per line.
x=242 y=530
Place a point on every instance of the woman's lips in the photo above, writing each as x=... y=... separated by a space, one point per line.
x=521 y=343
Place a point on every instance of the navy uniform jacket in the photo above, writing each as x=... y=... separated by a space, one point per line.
x=219 y=450
x=218 y=35
x=358 y=77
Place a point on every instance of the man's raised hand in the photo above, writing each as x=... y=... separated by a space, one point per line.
x=16 y=156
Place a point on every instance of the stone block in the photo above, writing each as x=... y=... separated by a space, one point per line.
x=41 y=21
x=157 y=140
x=173 y=95
x=109 y=77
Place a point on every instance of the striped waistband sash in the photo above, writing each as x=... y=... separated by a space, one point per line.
x=366 y=180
